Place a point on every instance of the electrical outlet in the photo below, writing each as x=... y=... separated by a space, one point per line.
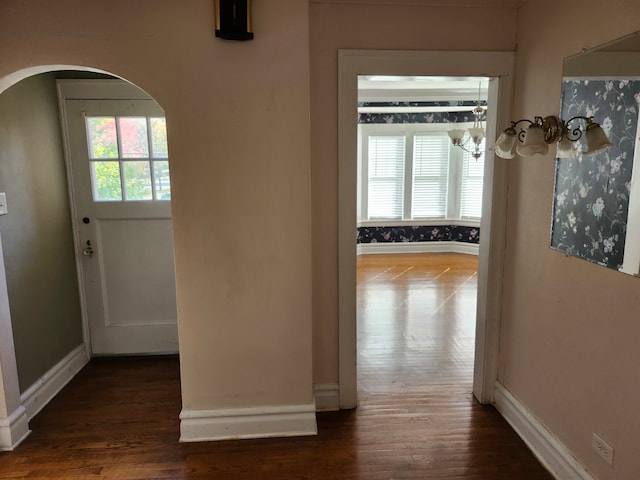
x=603 y=449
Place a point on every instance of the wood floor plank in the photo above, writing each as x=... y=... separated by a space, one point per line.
x=417 y=418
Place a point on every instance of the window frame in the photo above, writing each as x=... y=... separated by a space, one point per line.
x=122 y=159
x=410 y=179
x=402 y=177
x=464 y=156
x=454 y=183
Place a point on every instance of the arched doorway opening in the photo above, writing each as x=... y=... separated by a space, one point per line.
x=52 y=283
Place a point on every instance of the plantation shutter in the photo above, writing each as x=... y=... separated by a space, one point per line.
x=471 y=190
x=430 y=172
x=386 y=176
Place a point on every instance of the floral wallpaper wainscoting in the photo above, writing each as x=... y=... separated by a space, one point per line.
x=445 y=233
x=591 y=197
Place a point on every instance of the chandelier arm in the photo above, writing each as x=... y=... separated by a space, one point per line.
x=577 y=132
x=521 y=132
x=579 y=117
x=573 y=134
x=514 y=124
x=462 y=146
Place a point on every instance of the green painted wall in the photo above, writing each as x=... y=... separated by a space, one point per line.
x=36 y=233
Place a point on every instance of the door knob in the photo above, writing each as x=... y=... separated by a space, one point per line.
x=88 y=251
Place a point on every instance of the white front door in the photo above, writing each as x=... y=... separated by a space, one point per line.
x=119 y=170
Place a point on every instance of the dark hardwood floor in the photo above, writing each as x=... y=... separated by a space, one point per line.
x=417 y=419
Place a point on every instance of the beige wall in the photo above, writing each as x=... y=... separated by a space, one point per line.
x=238 y=124
x=238 y=119
x=570 y=329
x=404 y=26
x=36 y=234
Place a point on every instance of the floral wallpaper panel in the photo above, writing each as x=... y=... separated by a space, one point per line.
x=591 y=197
x=421 y=117
x=444 y=233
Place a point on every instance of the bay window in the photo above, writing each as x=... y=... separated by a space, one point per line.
x=412 y=172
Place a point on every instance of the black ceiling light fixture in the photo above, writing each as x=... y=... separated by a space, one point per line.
x=233 y=19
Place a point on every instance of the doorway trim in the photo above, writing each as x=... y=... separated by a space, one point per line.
x=498 y=66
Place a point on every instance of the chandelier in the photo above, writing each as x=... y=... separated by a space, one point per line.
x=541 y=132
x=475 y=133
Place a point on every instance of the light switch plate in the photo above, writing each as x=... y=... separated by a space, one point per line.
x=3 y=203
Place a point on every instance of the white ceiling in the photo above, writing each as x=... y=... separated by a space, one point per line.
x=394 y=88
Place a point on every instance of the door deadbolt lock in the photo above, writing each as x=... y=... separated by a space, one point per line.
x=88 y=251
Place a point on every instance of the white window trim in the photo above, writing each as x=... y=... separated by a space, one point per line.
x=435 y=222
x=454 y=190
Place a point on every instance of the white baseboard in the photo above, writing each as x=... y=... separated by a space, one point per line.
x=545 y=446
x=14 y=429
x=417 y=247
x=327 y=397
x=46 y=387
x=266 y=422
